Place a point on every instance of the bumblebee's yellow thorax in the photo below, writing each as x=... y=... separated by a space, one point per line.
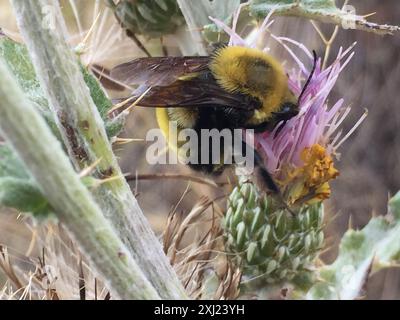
x=253 y=72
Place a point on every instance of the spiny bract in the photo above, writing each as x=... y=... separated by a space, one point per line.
x=269 y=243
x=152 y=18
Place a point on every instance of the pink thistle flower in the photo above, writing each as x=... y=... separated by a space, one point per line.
x=316 y=123
x=299 y=156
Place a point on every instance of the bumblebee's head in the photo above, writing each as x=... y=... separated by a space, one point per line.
x=287 y=111
x=257 y=74
x=254 y=73
x=290 y=107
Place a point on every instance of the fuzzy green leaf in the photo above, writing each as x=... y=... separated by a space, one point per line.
x=324 y=11
x=98 y=95
x=17 y=188
x=197 y=13
x=224 y=12
x=223 y=9
x=104 y=104
x=361 y=252
x=18 y=60
x=10 y=165
x=202 y=9
x=24 y=196
x=394 y=206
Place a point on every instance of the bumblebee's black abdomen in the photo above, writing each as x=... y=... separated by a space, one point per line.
x=219 y=119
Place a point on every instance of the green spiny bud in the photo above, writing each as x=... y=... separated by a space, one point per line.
x=240 y=234
x=271 y=266
x=269 y=243
x=251 y=251
x=152 y=18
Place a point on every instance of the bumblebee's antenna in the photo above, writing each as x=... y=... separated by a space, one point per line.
x=302 y=91
x=309 y=77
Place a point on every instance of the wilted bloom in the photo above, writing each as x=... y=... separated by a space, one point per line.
x=300 y=154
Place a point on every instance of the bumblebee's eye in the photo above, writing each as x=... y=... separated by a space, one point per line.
x=287 y=111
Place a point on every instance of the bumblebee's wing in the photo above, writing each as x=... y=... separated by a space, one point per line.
x=179 y=82
x=158 y=71
x=196 y=93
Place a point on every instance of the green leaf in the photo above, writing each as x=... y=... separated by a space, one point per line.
x=24 y=196
x=223 y=10
x=18 y=60
x=10 y=165
x=361 y=252
x=394 y=206
x=115 y=126
x=99 y=97
x=203 y=9
x=104 y=105
x=197 y=13
x=282 y=5
x=324 y=11
x=17 y=188
x=214 y=34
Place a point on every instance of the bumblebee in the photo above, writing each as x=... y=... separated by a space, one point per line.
x=235 y=87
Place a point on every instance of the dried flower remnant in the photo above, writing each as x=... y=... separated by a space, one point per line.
x=310 y=181
x=193 y=261
x=51 y=269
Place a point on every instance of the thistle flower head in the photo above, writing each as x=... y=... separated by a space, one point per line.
x=266 y=241
x=300 y=154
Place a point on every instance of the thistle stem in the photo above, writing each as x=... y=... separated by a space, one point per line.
x=44 y=158
x=82 y=129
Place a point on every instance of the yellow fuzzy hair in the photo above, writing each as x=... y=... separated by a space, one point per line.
x=253 y=72
x=163 y=120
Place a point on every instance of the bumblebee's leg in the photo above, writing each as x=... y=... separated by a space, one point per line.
x=267 y=179
x=265 y=175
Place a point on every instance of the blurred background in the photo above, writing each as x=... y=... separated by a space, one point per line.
x=369 y=162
